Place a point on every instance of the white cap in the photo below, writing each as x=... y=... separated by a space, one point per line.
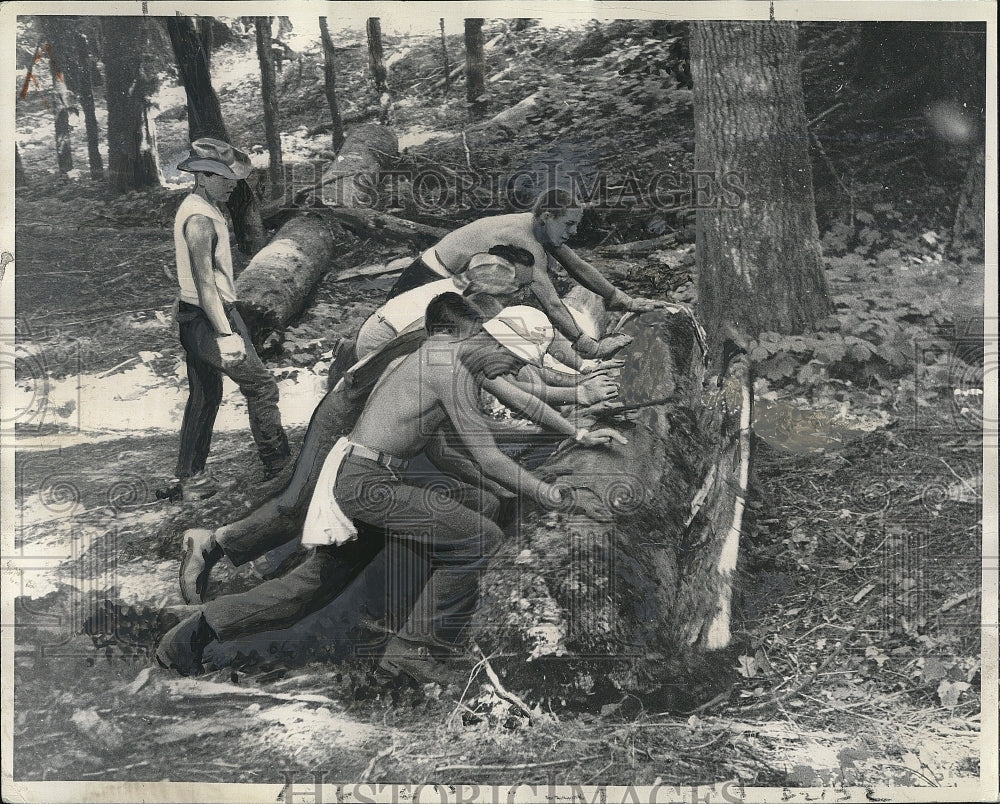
x=525 y=331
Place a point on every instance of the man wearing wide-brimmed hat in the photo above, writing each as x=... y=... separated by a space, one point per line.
x=213 y=334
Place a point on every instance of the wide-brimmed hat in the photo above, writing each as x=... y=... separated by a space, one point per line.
x=209 y=155
x=524 y=331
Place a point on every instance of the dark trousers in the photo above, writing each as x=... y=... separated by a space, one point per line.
x=205 y=370
x=450 y=531
x=414 y=275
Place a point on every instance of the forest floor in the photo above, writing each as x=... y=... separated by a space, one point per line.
x=860 y=615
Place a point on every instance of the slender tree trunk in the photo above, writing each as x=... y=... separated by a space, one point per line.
x=330 y=84
x=969 y=229
x=192 y=46
x=85 y=92
x=60 y=108
x=268 y=80
x=445 y=59
x=20 y=177
x=192 y=53
x=132 y=159
x=475 y=65
x=375 y=58
x=758 y=255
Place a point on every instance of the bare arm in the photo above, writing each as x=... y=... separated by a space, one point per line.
x=592 y=279
x=199 y=233
x=583 y=272
x=465 y=418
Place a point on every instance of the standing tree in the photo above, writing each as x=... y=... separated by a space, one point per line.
x=270 y=98
x=758 y=255
x=133 y=162
x=55 y=30
x=192 y=46
x=375 y=62
x=475 y=65
x=82 y=82
x=447 y=61
x=330 y=84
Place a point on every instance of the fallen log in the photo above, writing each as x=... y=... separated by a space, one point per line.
x=638 y=248
x=276 y=284
x=274 y=287
x=370 y=223
x=350 y=179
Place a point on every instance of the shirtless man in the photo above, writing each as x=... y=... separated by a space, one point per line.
x=543 y=232
x=418 y=394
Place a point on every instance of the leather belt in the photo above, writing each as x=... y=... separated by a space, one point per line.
x=381 y=458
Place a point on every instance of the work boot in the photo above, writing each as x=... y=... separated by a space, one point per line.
x=199 y=554
x=181 y=648
x=198 y=487
x=406 y=658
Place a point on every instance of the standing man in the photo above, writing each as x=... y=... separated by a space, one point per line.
x=214 y=335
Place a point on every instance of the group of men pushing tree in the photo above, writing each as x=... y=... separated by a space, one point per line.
x=448 y=332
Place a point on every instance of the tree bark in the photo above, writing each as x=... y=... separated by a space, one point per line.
x=330 y=85
x=445 y=60
x=268 y=81
x=20 y=177
x=583 y=610
x=274 y=287
x=375 y=58
x=758 y=254
x=133 y=163
x=85 y=92
x=60 y=106
x=475 y=65
x=192 y=51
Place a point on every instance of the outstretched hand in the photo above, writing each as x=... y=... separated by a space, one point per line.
x=596 y=388
x=604 y=435
x=640 y=305
x=612 y=343
x=603 y=367
x=584 y=502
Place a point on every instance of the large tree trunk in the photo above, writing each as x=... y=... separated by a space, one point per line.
x=758 y=254
x=583 y=610
x=330 y=85
x=268 y=81
x=475 y=65
x=85 y=92
x=375 y=58
x=133 y=163
x=192 y=48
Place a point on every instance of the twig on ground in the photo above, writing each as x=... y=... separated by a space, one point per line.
x=520 y=766
x=956 y=601
x=809 y=680
x=468 y=154
x=367 y=772
x=502 y=691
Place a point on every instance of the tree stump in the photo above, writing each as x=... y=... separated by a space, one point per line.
x=576 y=608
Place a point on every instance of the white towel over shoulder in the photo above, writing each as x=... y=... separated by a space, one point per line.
x=325 y=523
